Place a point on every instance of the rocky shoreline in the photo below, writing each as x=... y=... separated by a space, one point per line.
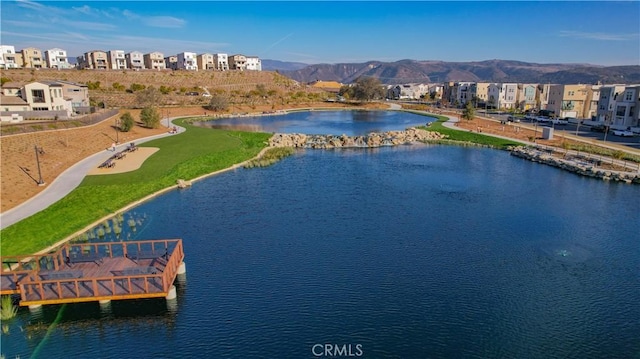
x=389 y=138
x=579 y=167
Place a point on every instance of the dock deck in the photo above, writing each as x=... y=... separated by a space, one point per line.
x=93 y=272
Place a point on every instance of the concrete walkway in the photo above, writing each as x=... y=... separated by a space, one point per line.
x=67 y=181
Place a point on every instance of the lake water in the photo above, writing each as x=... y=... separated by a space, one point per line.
x=408 y=252
x=348 y=122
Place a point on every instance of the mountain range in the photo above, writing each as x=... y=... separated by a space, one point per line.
x=413 y=71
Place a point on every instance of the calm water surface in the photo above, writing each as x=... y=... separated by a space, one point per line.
x=350 y=123
x=411 y=252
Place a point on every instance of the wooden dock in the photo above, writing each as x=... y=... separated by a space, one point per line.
x=94 y=272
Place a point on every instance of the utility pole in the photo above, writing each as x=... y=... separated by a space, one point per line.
x=40 y=181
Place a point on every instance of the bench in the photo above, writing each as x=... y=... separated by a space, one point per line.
x=137 y=271
x=85 y=258
x=65 y=274
x=120 y=155
x=107 y=164
x=148 y=255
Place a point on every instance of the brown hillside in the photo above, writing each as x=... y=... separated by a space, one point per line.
x=240 y=86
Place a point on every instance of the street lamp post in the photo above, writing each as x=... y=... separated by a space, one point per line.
x=40 y=181
x=117 y=132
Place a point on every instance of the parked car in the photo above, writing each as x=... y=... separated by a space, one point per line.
x=598 y=128
x=560 y=121
x=543 y=119
x=512 y=118
x=623 y=133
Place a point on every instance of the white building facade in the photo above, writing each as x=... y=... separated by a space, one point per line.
x=57 y=59
x=187 y=61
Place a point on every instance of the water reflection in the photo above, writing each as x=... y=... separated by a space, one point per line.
x=348 y=122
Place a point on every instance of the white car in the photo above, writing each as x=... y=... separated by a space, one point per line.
x=543 y=119
x=623 y=133
x=560 y=121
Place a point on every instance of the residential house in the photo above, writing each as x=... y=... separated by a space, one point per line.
x=481 y=93
x=253 y=63
x=607 y=102
x=117 y=60
x=527 y=95
x=8 y=57
x=96 y=60
x=78 y=94
x=237 y=62
x=626 y=109
x=542 y=100
x=43 y=99
x=205 y=62
x=56 y=59
x=570 y=100
x=32 y=58
x=171 y=62
x=591 y=111
x=509 y=100
x=221 y=62
x=187 y=61
x=154 y=61
x=134 y=60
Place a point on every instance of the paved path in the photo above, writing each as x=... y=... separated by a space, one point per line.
x=66 y=182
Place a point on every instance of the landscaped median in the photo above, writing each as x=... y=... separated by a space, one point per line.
x=194 y=153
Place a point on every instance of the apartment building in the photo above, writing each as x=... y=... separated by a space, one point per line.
x=253 y=63
x=116 y=60
x=154 y=61
x=8 y=57
x=134 y=60
x=56 y=59
x=221 y=62
x=237 y=62
x=31 y=58
x=171 y=62
x=77 y=94
x=205 y=61
x=187 y=61
x=96 y=60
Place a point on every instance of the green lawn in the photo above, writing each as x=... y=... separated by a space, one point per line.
x=470 y=137
x=193 y=153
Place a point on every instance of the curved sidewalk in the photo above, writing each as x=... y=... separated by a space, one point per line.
x=66 y=182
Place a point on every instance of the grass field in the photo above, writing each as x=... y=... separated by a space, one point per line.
x=196 y=152
x=470 y=137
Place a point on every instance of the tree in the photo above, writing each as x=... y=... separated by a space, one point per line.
x=469 y=112
x=367 y=89
x=218 y=102
x=150 y=117
x=126 y=122
x=148 y=97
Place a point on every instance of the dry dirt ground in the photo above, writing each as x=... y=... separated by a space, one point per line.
x=64 y=148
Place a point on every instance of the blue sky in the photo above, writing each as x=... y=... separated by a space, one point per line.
x=601 y=33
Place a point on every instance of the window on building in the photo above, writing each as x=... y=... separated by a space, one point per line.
x=628 y=96
x=631 y=111
x=38 y=96
x=621 y=110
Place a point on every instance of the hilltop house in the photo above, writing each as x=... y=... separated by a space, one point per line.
x=154 y=61
x=56 y=59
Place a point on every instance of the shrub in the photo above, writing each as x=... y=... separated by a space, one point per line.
x=4 y=80
x=126 y=122
x=137 y=87
x=150 y=117
x=218 y=103
x=93 y=85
